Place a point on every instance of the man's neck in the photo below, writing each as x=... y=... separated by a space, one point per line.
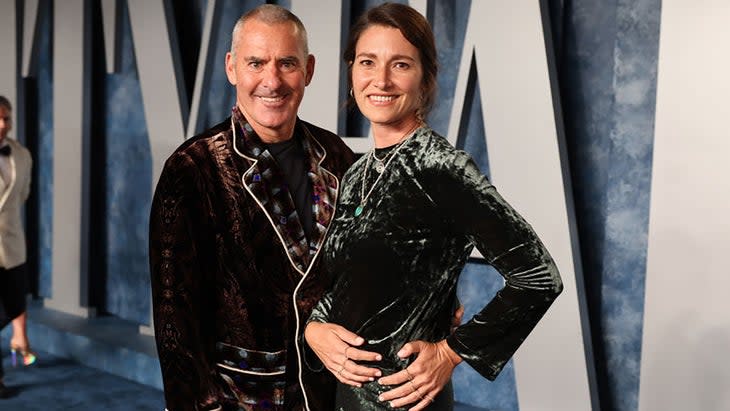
x=269 y=136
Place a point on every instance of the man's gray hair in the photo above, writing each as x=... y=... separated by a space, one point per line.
x=270 y=14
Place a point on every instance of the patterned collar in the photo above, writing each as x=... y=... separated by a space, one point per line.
x=264 y=181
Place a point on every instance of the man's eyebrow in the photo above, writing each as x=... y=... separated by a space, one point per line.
x=289 y=58
x=252 y=58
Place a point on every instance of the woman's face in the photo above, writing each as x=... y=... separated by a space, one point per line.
x=386 y=77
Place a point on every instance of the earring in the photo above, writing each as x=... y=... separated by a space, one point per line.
x=351 y=94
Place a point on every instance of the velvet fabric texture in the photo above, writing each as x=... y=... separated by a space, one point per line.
x=233 y=275
x=394 y=268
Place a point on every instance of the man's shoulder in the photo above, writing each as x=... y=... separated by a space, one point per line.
x=199 y=144
x=218 y=129
x=196 y=151
x=329 y=140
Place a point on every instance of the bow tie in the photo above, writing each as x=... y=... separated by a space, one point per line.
x=5 y=150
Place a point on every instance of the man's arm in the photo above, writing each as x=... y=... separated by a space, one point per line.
x=178 y=286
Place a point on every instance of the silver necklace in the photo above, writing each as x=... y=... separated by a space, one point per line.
x=380 y=162
x=385 y=163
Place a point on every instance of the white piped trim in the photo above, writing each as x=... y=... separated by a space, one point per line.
x=314 y=258
x=240 y=371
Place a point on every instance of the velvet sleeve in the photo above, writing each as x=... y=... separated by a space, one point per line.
x=472 y=206
x=179 y=288
x=321 y=311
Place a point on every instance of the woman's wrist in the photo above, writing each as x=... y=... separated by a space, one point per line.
x=453 y=357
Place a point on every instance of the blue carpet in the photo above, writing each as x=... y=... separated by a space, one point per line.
x=59 y=384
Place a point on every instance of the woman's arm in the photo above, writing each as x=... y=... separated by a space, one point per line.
x=512 y=247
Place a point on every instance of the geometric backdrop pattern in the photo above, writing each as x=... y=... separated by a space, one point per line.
x=606 y=62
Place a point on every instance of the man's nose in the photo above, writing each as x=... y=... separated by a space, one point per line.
x=272 y=77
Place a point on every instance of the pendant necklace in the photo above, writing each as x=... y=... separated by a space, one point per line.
x=380 y=162
x=380 y=166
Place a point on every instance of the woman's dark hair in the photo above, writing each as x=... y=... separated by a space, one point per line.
x=415 y=29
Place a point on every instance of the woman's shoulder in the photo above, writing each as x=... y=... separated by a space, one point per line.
x=435 y=151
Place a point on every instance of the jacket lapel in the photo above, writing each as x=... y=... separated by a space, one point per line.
x=265 y=183
x=6 y=187
x=324 y=189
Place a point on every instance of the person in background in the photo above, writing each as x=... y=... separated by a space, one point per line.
x=408 y=216
x=15 y=176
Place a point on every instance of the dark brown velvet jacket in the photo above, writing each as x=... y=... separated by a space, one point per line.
x=233 y=276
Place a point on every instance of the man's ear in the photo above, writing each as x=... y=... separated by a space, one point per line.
x=231 y=68
x=310 y=69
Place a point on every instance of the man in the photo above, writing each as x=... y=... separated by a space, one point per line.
x=238 y=217
x=15 y=167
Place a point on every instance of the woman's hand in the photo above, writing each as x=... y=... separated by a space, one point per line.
x=335 y=347
x=422 y=380
x=458 y=316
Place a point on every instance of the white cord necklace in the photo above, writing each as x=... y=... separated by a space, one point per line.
x=390 y=156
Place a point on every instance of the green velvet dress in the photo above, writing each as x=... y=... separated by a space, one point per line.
x=395 y=266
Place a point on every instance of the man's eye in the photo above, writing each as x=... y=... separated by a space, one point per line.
x=366 y=62
x=402 y=65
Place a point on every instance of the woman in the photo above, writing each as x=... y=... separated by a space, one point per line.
x=408 y=216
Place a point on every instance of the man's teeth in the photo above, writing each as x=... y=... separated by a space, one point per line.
x=382 y=98
x=271 y=99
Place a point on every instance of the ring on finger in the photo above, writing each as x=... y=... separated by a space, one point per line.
x=347 y=348
x=415 y=389
x=429 y=398
x=410 y=376
x=341 y=369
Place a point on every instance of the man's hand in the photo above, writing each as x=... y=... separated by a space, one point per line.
x=420 y=382
x=335 y=347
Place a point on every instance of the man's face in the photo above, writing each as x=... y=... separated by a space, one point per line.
x=270 y=71
x=6 y=122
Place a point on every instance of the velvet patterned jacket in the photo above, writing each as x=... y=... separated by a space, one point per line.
x=233 y=275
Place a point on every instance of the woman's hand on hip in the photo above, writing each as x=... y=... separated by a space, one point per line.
x=335 y=347
x=424 y=378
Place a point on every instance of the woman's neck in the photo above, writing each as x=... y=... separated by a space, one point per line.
x=386 y=135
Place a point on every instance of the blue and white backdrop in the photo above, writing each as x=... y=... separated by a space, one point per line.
x=602 y=121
